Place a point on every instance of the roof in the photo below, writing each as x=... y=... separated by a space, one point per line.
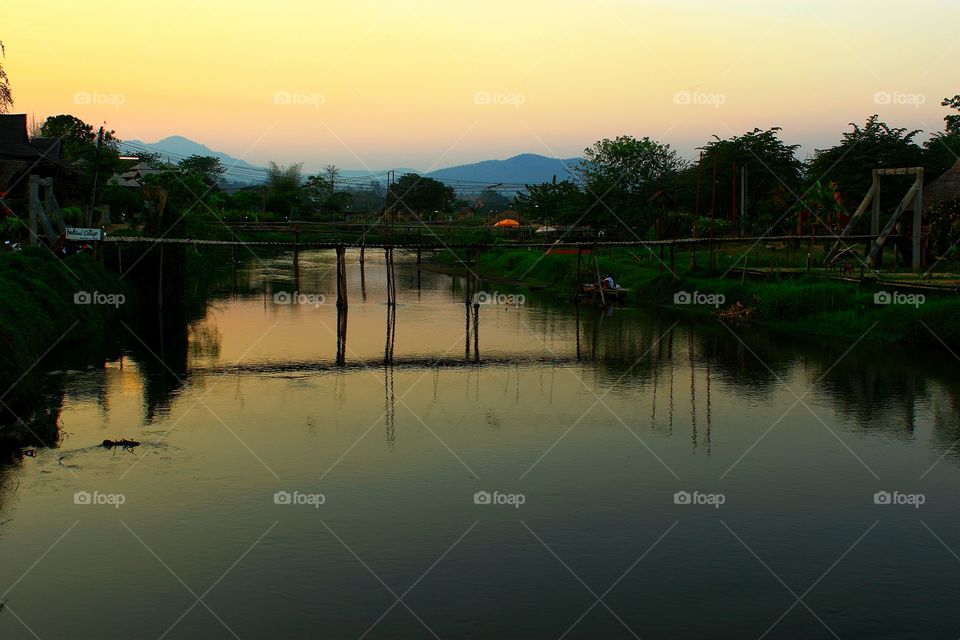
x=133 y=176
x=15 y=144
x=944 y=189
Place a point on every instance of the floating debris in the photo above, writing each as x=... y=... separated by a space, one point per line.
x=126 y=445
x=737 y=312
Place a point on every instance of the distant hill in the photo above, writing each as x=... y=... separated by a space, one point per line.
x=176 y=148
x=513 y=173
x=526 y=168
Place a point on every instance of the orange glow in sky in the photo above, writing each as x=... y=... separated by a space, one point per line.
x=426 y=84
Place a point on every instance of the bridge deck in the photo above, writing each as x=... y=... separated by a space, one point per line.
x=440 y=244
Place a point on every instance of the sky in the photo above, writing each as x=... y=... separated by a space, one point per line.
x=376 y=84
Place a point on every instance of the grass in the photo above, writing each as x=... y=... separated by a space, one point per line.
x=39 y=314
x=795 y=303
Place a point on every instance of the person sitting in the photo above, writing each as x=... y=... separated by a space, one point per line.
x=608 y=282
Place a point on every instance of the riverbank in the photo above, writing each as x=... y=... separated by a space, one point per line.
x=48 y=305
x=797 y=303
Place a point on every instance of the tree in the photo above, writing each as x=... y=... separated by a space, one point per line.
x=318 y=189
x=942 y=151
x=34 y=128
x=249 y=200
x=150 y=159
x=774 y=172
x=850 y=163
x=207 y=168
x=284 y=193
x=415 y=194
x=491 y=201
x=561 y=202
x=953 y=120
x=78 y=147
x=6 y=96
x=78 y=140
x=332 y=174
x=620 y=175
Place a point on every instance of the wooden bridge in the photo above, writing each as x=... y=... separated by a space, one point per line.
x=426 y=243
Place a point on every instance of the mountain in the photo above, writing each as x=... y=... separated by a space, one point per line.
x=512 y=173
x=526 y=168
x=176 y=148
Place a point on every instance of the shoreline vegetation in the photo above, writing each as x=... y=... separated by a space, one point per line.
x=50 y=306
x=791 y=302
x=46 y=321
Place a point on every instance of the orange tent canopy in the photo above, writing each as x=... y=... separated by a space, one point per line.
x=507 y=222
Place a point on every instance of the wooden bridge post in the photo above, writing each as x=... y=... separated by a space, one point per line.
x=875 y=219
x=160 y=280
x=476 y=332
x=466 y=332
x=341 y=277
x=918 y=222
x=391 y=279
x=363 y=283
x=673 y=263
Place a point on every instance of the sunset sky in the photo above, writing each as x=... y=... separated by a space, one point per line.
x=431 y=83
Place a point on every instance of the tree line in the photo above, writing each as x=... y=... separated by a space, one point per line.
x=646 y=186
x=753 y=183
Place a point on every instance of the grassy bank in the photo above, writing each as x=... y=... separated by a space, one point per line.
x=38 y=313
x=796 y=304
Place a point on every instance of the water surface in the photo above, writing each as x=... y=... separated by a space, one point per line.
x=594 y=420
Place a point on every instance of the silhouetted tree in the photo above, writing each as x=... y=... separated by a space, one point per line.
x=849 y=164
x=621 y=175
x=6 y=96
x=561 y=202
x=942 y=151
x=774 y=173
x=419 y=195
x=207 y=168
x=284 y=194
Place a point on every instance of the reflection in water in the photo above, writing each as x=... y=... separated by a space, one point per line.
x=693 y=391
x=391 y=334
x=709 y=408
x=161 y=350
x=466 y=330
x=363 y=278
x=294 y=401
x=341 y=334
x=389 y=406
x=476 y=332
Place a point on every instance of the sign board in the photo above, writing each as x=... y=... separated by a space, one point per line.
x=80 y=234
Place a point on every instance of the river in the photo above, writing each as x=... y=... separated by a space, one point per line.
x=543 y=473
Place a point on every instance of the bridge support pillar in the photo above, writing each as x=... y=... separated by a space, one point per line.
x=391 y=281
x=341 y=277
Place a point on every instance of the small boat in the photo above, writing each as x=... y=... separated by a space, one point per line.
x=600 y=294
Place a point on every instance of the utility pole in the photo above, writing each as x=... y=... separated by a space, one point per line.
x=96 y=176
x=743 y=200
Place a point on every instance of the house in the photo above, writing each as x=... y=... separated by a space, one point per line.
x=944 y=191
x=21 y=156
x=133 y=177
